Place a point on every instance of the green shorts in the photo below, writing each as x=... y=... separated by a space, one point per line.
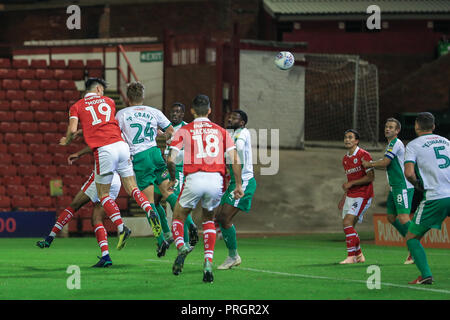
x=149 y=168
x=399 y=201
x=178 y=185
x=429 y=214
x=243 y=203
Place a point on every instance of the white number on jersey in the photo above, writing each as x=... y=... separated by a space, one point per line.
x=104 y=109
x=212 y=141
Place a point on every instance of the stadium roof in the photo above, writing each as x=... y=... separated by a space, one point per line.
x=309 y=8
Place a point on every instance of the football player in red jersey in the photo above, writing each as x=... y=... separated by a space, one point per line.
x=358 y=194
x=205 y=144
x=101 y=132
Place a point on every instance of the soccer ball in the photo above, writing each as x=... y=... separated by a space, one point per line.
x=284 y=60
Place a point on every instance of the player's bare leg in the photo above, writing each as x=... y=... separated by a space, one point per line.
x=98 y=214
x=351 y=238
x=224 y=217
x=179 y=216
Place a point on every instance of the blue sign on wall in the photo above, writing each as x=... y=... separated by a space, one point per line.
x=26 y=224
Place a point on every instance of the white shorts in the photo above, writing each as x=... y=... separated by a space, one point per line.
x=356 y=207
x=110 y=158
x=205 y=186
x=90 y=189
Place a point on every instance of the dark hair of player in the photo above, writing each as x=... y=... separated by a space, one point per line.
x=425 y=120
x=135 y=91
x=398 y=124
x=91 y=83
x=201 y=105
x=179 y=104
x=356 y=133
x=243 y=115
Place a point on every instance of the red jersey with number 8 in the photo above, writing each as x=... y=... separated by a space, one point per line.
x=96 y=115
x=205 y=144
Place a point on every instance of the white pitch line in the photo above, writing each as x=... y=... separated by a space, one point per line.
x=413 y=287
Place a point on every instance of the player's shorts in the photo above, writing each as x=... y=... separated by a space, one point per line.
x=150 y=168
x=110 y=158
x=178 y=184
x=90 y=189
x=356 y=207
x=204 y=186
x=399 y=201
x=244 y=203
x=429 y=214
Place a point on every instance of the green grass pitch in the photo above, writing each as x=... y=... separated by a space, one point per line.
x=302 y=267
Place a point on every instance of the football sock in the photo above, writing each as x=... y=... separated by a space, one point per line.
x=402 y=228
x=187 y=223
x=419 y=256
x=63 y=218
x=172 y=200
x=350 y=239
x=102 y=238
x=229 y=236
x=112 y=211
x=163 y=218
x=357 y=247
x=209 y=239
x=178 y=232
x=142 y=200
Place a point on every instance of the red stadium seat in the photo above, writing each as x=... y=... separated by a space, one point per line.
x=85 y=212
x=16 y=190
x=2 y=138
x=74 y=180
x=58 y=106
x=20 y=202
x=5 y=105
x=23 y=105
x=48 y=84
x=11 y=84
x=40 y=105
x=37 y=190
x=43 y=116
x=51 y=137
x=60 y=159
x=2 y=192
x=41 y=202
x=122 y=202
x=61 y=116
x=7 y=116
x=25 y=73
x=27 y=170
x=62 y=74
x=12 y=127
x=20 y=63
x=44 y=74
x=109 y=226
x=8 y=170
x=3 y=147
x=84 y=170
x=63 y=202
x=37 y=148
x=94 y=63
x=17 y=148
x=5 y=202
x=67 y=85
x=28 y=127
x=53 y=95
x=12 y=180
x=78 y=74
x=56 y=148
x=2 y=94
x=28 y=84
x=8 y=73
x=5 y=159
x=47 y=170
x=62 y=127
x=33 y=138
x=34 y=94
x=57 y=64
x=23 y=115
x=33 y=179
x=48 y=127
x=42 y=159
x=69 y=95
x=65 y=170
x=71 y=189
x=13 y=138
x=5 y=63
x=75 y=64
x=86 y=159
x=15 y=94
x=22 y=158
x=95 y=73
x=38 y=63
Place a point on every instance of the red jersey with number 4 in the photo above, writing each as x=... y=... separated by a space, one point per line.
x=205 y=144
x=354 y=171
x=96 y=116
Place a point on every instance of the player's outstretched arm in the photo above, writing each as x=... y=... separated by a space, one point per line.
x=379 y=164
x=71 y=133
x=75 y=156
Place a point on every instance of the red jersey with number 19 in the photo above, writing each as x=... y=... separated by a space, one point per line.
x=205 y=144
x=96 y=116
x=354 y=171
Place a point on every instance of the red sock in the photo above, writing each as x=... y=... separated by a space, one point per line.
x=350 y=239
x=357 y=247
x=141 y=200
x=63 y=218
x=102 y=238
x=112 y=211
x=209 y=239
x=178 y=232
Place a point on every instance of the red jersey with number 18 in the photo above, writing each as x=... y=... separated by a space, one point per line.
x=205 y=144
x=96 y=116
x=354 y=171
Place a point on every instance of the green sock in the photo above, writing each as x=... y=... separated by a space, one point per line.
x=400 y=227
x=419 y=256
x=172 y=200
x=229 y=236
x=406 y=227
x=163 y=218
x=187 y=223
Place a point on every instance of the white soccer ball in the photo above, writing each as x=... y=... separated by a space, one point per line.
x=284 y=60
